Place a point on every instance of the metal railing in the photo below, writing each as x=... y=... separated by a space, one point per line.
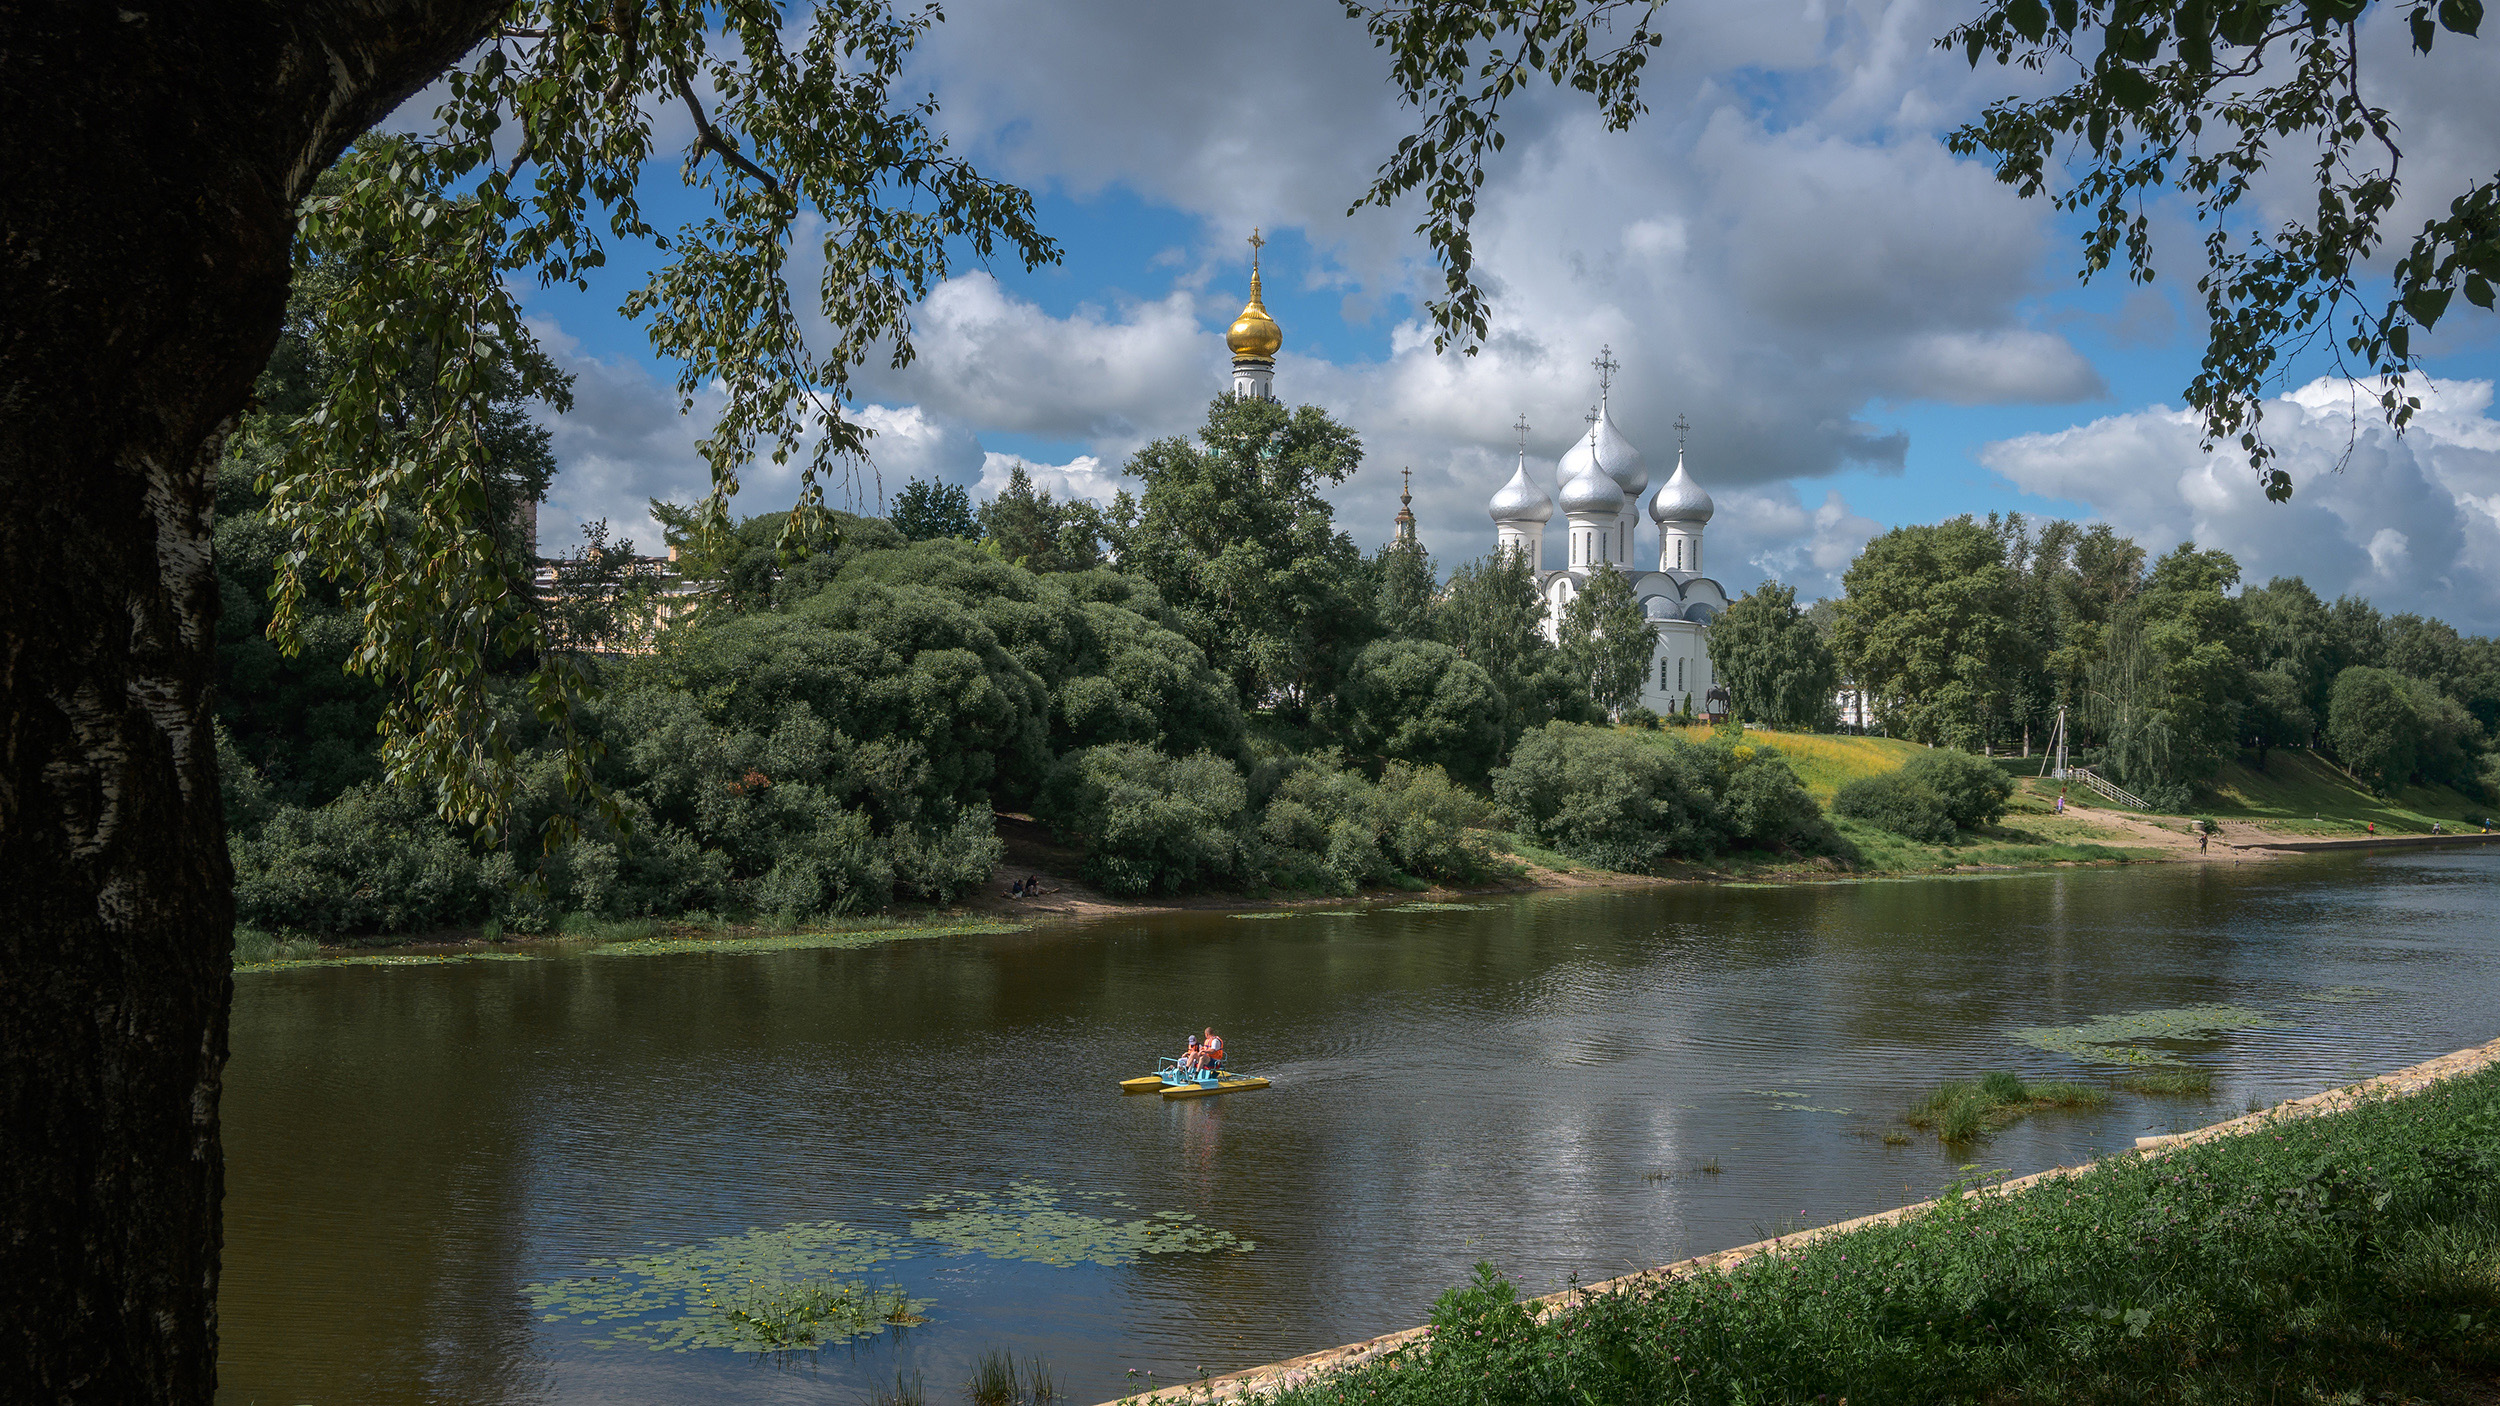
x=2103 y=785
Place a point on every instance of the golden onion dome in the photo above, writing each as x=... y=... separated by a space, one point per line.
x=1254 y=333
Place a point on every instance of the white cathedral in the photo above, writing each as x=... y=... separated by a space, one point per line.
x=1601 y=479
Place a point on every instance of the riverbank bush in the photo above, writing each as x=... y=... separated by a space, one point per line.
x=2349 y=1257
x=1625 y=800
x=1933 y=797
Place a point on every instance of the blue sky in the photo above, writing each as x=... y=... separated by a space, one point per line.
x=1864 y=330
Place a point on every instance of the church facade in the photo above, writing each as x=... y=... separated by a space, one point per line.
x=1599 y=483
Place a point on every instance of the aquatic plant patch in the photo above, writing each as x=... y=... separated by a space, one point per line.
x=1426 y=907
x=2124 y=1039
x=798 y=1287
x=757 y=1291
x=1028 y=1222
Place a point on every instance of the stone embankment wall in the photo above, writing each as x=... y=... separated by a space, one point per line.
x=1278 y=1376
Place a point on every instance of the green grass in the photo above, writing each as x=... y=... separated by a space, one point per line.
x=1965 y=1110
x=2348 y=1258
x=1826 y=762
x=2301 y=792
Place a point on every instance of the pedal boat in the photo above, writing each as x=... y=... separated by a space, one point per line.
x=1172 y=1081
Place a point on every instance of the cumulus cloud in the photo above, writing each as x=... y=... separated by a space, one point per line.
x=1775 y=533
x=2411 y=521
x=1081 y=477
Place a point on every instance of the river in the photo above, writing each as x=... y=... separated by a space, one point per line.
x=428 y=1165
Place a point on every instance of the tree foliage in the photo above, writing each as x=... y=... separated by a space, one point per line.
x=2200 y=98
x=1774 y=663
x=1607 y=640
x=1234 y=534
x=531 y=169
x=926 y=508
x=1925 y=628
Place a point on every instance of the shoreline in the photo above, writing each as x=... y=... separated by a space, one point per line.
x=1268 y=1379
x=1069 y=900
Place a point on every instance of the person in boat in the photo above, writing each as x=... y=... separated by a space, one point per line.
x=1211 y=1049
x=1190 y=1057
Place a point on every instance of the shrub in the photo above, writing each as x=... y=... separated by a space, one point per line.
x=375 y=860
x=1608 y=798
x=1973 y=791
x=1431 y=826
x=1418 y=701
x=1149 y=823
x=1761 y=802
x=1894 y=801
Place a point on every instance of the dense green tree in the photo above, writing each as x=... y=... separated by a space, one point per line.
x=1926 y=629
x=1405 y=603
x=1493 y=614
x=1421 y=702
x=1234 y=534
x=1773 y=661
x=1150 y=823
x=927 y=509
x=2288 y=636
x=2276 y=713
x=1607 y=640
x=1029 y=528
x=2375 y=727
x=2167 y=696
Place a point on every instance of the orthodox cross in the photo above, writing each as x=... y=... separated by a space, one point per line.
x=1406 y=487
x=1522 y=427
x=1682 y=428
x=1256 y=244
x=1606 y=366
x=1591 y=417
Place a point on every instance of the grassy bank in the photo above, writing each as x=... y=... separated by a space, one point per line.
x=256 y=950
x=2345 y=1258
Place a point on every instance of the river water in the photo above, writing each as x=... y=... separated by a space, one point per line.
x=1537 y=1081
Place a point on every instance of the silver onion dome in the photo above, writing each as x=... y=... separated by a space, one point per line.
x=1590 y=491
x=1616 y=456
x=1520 y=500
x=1680 y=499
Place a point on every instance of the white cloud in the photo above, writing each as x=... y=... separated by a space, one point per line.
x=1081 y=477
x=2412 y=522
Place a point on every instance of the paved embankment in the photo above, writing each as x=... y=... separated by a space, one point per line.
x=1278 y=1376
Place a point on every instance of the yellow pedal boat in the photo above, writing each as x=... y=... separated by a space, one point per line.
x=1172 y=1081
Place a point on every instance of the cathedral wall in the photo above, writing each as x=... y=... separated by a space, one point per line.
x=1678 y=669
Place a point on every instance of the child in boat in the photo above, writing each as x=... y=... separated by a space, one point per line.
x=1189 y=1060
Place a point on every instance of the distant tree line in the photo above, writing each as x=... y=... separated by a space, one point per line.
x=1974 y=634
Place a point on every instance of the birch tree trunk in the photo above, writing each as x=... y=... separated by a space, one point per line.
x=151 y=154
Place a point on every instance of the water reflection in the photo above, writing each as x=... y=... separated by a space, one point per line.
x=1535 y=1082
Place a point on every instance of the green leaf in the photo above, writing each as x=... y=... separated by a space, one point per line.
x=2425 y=305
x=2030 y=18
x=2460 y=16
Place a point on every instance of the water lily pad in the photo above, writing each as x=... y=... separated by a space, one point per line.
x=2121 y=1039
x=1027 y=1222
x=759 y=1291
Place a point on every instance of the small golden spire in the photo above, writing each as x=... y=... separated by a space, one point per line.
x=1254 y=334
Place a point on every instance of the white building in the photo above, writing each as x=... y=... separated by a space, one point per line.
x=1601 y=479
